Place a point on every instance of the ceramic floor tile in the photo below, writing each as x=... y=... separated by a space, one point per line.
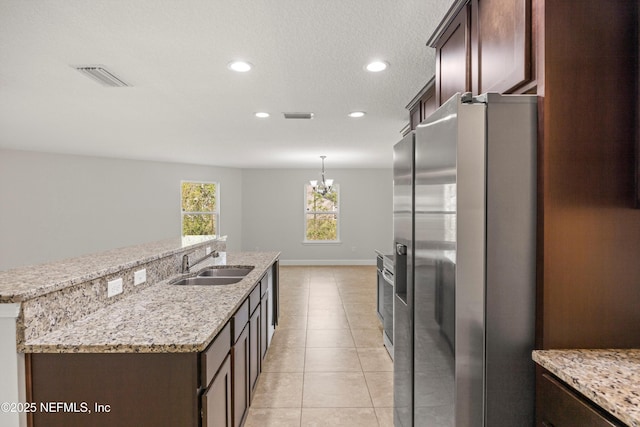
x=359 y=298
x=278 y=390
x=293 y=309
x=363 y=320
x=289 y=338
x=325 y=301
x=375 y=359
x=332 y=360
x=367 y=337
x=329 y=338
x=273 y=417
x=380 y=386
x=335 y=390
x=292 y=322
x=319 y=290
x=327 y=311
x=338 y=417
x=359 y=308
x=327 y=322
x=288 y=299
x=385 y=417
x=284 y=359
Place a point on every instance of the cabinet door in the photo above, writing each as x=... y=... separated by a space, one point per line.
x=240 y=367
x=216 y=401
x=501 y=45
x=254 y=350
x=264 y=326
x=453 y=58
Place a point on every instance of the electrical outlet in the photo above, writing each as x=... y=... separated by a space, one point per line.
x=353 y=248
x=207 y=251
x=140 y=276
x=114 y=287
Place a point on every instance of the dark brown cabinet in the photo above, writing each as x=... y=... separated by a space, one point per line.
x=422 y=105
x=484 y=46
x=501 y=59
x=240 y=367
x=216 y=400
x=264 y=320
x=254 y=350
x=453 y=58
x=558 y=405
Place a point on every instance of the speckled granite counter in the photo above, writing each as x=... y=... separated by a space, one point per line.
x=23 y=283
x=161 y=318
x=609 y=378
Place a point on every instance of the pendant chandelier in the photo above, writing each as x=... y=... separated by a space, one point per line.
x=325 y=186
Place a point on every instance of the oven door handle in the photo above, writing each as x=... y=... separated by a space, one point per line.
x=388 y=277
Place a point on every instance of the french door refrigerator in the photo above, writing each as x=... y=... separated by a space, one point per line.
x=464 y=230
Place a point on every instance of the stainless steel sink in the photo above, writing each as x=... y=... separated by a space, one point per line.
x=206 y=281
x=224 y=271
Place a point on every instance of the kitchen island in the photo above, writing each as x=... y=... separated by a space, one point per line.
x=156 y=354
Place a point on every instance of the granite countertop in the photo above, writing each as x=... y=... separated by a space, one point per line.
x=162 y=318
x=609 y=378
x=19 y=284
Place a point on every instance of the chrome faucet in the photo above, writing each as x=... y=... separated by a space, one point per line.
x=185 y=261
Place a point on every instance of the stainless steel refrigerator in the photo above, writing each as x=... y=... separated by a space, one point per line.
x=464 y=230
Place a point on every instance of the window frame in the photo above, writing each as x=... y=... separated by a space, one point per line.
x=305 y=241
x=215 y=212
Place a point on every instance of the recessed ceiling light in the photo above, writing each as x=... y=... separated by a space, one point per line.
x=262 y=115
x=377 y=66
x=357 y=114
x=239 y=66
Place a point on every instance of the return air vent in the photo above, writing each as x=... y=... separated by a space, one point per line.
x=102 y=75
x=306 y=116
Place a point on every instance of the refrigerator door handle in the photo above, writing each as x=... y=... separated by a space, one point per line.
x=400 y=275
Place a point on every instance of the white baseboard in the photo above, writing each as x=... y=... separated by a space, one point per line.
x=371 y=261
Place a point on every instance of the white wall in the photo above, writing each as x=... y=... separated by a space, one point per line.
x=273 y=208
x=58 y=206
x=55 y=206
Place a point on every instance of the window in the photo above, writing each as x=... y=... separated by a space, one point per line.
x=200 y=212
x=321 y=215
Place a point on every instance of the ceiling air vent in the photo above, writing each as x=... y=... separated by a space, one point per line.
x=306 y=116
x=102 y=75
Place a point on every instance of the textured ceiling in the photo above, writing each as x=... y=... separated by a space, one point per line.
x=186 y=106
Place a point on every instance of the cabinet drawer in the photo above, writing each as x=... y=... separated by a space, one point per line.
x=254 y=298
x=239 y=320
x=559 y=406
x=211 y=359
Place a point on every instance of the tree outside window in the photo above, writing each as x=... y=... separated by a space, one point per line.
x=199 y=208
x=321 y=215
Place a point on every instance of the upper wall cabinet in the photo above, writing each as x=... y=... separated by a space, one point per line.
x=453 y=56
x=422 y=105
x=484 y=46
x=500 y=45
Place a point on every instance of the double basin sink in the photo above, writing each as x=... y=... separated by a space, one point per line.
x=213 y=276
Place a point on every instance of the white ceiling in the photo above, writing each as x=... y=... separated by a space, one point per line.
x=186 y=105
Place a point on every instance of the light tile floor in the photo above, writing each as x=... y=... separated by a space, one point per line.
x=326 y=365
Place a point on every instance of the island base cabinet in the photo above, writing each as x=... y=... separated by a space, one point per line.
x=254 y=350
x=240 y=378
x=216 y=400
x=557 y=405
x=106 y=389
